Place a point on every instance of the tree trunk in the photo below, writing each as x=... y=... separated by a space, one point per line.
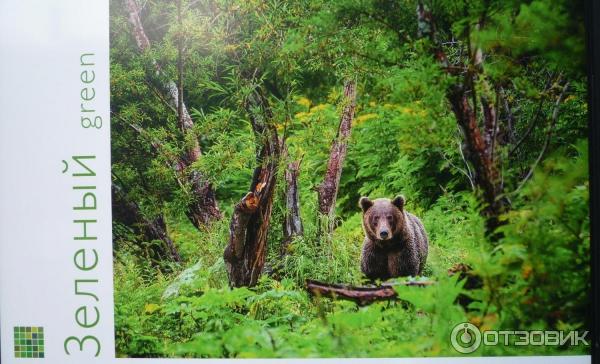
x=292 y=225
x=478 y=146
x=129 y=213
x=478 y=153
x=203 y=208
x=327 y=191
x=245 y=253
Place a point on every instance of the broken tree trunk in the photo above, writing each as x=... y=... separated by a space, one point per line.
x=129 y=213
x=328 y=189
x=203 y=207
x=292 y=222
x=361 y=295
x=245 y=253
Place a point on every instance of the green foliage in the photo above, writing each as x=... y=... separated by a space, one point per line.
x=543 y=258
x=277 y=320
x=455 y=229
x=335 y=261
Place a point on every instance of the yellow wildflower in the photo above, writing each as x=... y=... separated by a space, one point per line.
x=303 y=101
x=365 y=117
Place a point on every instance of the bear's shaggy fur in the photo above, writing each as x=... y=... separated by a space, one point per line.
x=395 y=241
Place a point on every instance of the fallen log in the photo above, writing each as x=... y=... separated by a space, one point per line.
x=362 y=295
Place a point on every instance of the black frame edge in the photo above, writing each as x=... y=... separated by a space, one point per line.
x=592 y=20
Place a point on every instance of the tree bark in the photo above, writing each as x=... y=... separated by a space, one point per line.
x=203 y=209
x=245 y=253
x=328 y=189
x=360 y=295
x=129 y=213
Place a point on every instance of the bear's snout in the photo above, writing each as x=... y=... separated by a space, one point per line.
x=384 y=230
x=384 y=234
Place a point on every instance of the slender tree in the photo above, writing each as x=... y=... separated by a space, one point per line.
x=203 y=206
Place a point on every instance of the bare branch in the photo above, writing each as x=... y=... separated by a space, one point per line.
x=467 y=172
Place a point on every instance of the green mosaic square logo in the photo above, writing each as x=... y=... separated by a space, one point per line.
x=29 y=342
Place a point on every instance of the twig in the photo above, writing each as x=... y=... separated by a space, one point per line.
x=495 y=126
x=459 y=169
x=509 y=115
x=535 y=119
x=548 y=136
x=160 y=97
x=175 y=162
x=470 y=173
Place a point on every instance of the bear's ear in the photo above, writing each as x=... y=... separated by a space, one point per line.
x=399 y=201
x=365 y=203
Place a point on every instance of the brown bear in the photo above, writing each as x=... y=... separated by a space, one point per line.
x=395 y=241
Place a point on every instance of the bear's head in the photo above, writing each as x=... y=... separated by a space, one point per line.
x=383 y=219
